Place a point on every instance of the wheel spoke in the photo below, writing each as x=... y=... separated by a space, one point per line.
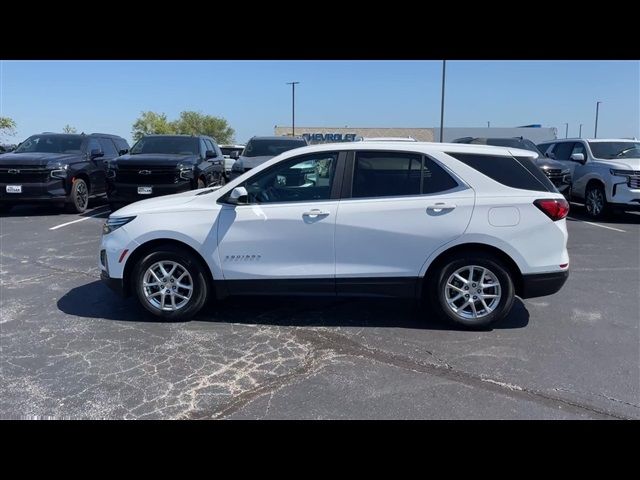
x=473 y=307
x=175 y=265
x=159 y=292
x=486 y=307
x=457 y=275
x=457 y=289
x=173 y=301
x=155 y=276
x=154 y=284
x=186 y=287
x=456 y=298
x=181 y=296
x=490 y=295
x=162 y=270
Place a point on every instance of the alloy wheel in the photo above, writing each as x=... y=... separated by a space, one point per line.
x=472 y=292
x=167 y=286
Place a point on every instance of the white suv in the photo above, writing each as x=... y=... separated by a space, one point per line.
x=466 y=227
x=605 y=172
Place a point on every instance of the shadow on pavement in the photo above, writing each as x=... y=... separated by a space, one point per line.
x=52 y=209
x=95 y=300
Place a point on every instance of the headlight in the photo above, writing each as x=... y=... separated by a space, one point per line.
x=623 y=173
x=186 y=171
x=114 y=223
x=58 y=169
x=237 y=167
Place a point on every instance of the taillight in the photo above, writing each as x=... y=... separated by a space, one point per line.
x=554 y=208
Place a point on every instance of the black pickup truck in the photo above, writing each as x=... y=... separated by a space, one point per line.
x=163 y=165
x=64 y=169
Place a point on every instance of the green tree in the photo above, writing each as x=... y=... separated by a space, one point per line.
x=151 y=123
x=196 y=123
x=69 y=129
x=7 y=126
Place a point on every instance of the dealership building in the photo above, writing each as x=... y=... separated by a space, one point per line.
x=535 y=133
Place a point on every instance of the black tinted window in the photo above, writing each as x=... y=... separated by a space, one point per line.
x=51 y=144
x=562 y=151
x=386 y=174
x=271 y=147
x=93 y=145
x=505 y=170
x=108 y=147
x=121 y=144
x=168 y=145
x=435 y=179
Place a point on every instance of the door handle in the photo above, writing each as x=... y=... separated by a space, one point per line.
x=438 y=207
x=315 y=213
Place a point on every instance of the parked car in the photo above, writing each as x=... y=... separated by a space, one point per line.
x=162 y=165
x=466 y=226
x=261 y=149
x=66 y=169
x=605 y=172
x=557 y=173
x=231 y=154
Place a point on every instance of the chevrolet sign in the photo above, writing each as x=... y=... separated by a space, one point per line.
x=329 y=137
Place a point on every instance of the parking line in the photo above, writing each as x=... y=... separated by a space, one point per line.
x=598 y=225
x=76 y=221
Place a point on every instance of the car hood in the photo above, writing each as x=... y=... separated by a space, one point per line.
x=619 y=163
x=252 y=162
x=155 y=159
x=543 y=162
x=36 y=159
x=168 y=203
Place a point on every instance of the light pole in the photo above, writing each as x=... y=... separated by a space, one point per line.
x=444 y=68
x=293 y=107
x=580 y=134
x=488 y=124
x=595 y=133
x=566 y=130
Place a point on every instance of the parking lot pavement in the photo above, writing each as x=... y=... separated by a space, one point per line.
x=70 y=348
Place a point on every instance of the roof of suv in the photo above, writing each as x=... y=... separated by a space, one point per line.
x=425 y=147
x=560 y=140
x=276 y=137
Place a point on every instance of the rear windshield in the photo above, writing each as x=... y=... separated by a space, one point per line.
x=51 y=144
x=167 y=145
x=266 y=147
x=508 y=171
x=226 y=151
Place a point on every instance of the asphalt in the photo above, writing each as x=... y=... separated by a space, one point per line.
x=71 y=348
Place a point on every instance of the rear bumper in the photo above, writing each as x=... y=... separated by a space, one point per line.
x=128 y=193
x=115 y=284
x=542 y=284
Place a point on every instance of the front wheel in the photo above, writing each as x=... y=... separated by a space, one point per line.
x=79 y=197
x=596 y=201
x=474 y=291
x=171 y=283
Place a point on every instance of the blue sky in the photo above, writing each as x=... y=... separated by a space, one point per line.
x=107 y=96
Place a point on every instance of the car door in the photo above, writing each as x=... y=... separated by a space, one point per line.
x=110 y=152
x=96 y=170
x=282 y=241
x=401 y=207
x=579 y=170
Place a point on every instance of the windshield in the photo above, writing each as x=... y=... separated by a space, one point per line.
x=166 y=145
x=51 y=144
x=610 y=150
x=226 y=151
x=514 y=143
x=271 y=148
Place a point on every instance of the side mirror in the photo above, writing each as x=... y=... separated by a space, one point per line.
x=95 y=153
x=210 y=154
x=239 y=196
x=235 y=155
x=578 y=157
x=123 y=152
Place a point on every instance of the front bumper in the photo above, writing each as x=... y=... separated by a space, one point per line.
x=115 y=284
x=128 y=193
x=542 y=284
x=624 y=196
x=51 y=191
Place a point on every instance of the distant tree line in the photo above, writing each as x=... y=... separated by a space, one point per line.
x=188 y=123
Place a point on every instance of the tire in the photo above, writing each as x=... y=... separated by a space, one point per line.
x=595 y=202
x=495 y=273
x=79 y=197
x=184 y=261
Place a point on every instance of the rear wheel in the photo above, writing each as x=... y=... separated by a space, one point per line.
x=473 y=291
x=170 y=283
x=595 y=201
x=79 y=197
